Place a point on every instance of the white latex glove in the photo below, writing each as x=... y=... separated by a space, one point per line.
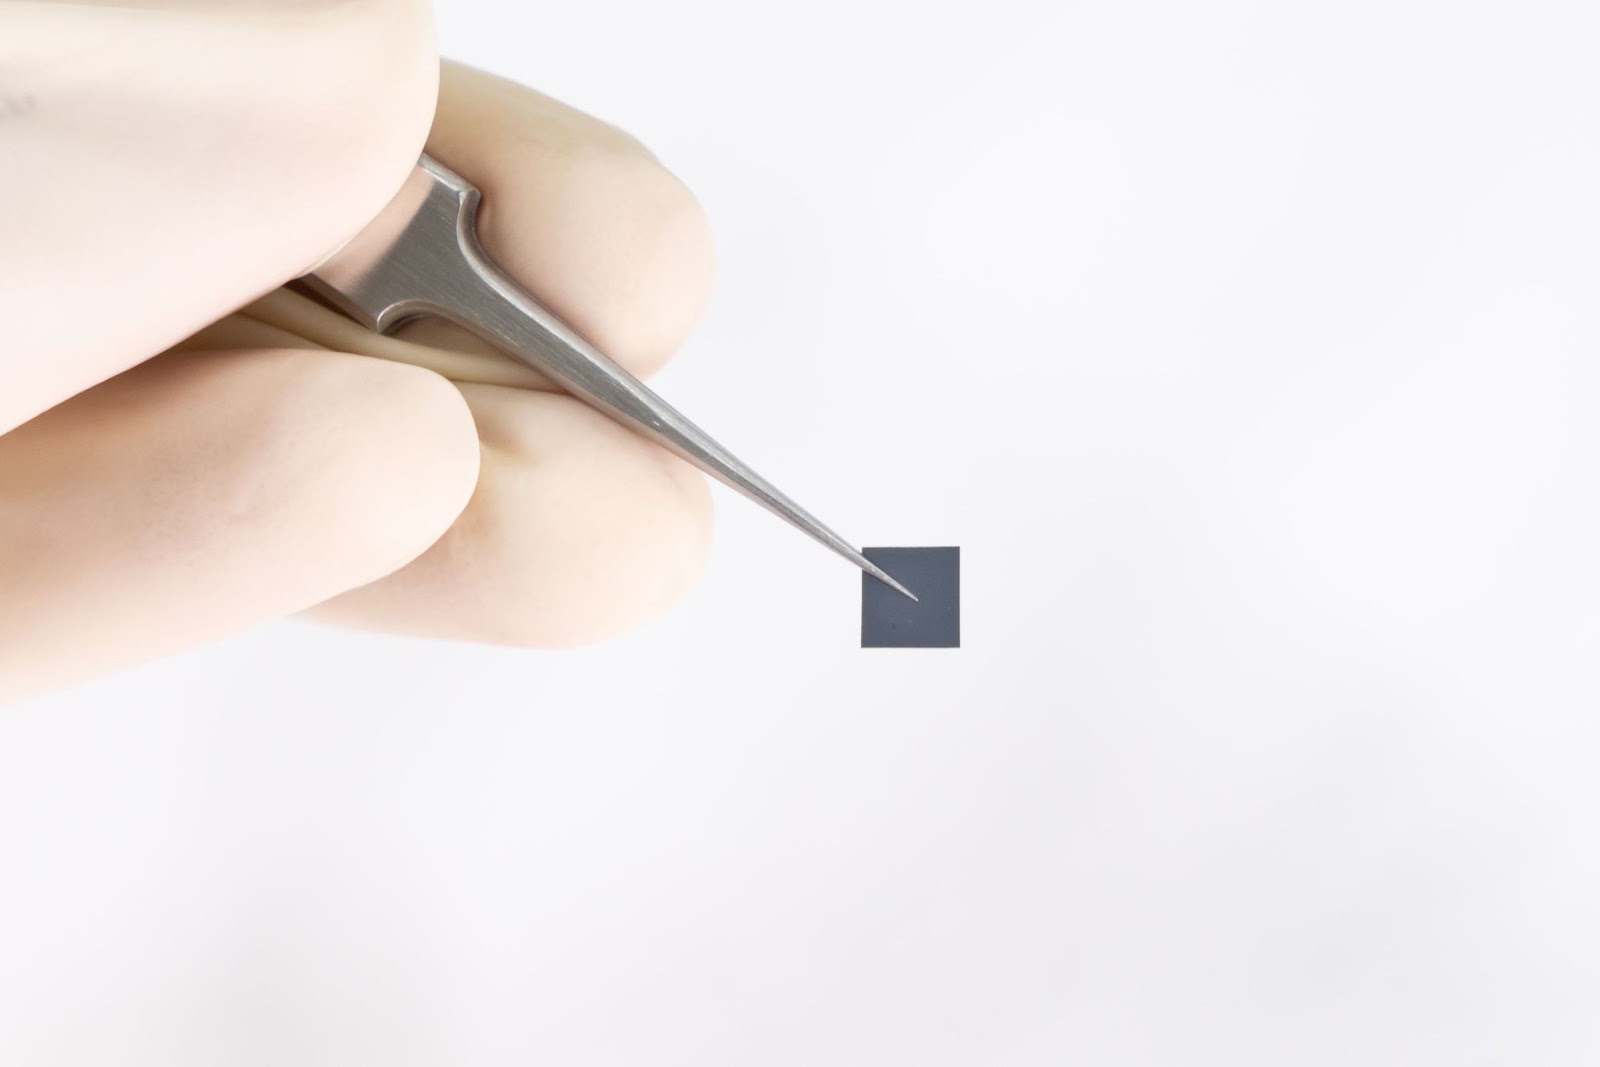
x=171 y=473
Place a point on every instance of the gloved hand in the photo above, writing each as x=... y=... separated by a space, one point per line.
x=174 y=469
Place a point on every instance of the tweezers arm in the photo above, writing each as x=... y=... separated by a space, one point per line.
x=422 y=256
x=505 y=316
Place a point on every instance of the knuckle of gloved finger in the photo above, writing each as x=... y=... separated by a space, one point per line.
x=644 y=247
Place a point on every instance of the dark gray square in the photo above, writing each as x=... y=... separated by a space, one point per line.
x=933 y=620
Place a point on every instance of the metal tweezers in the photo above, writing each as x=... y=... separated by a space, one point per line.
x=421 y=257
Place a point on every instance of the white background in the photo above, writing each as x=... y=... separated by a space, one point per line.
x=1248 y=351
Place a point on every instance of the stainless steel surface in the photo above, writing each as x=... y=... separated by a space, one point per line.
x=421 y=256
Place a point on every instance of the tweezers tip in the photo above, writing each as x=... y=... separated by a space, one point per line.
x=892 y=584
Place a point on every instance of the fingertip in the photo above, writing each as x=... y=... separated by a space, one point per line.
x=579 y=531
x=401 y=466
x=582 y=214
